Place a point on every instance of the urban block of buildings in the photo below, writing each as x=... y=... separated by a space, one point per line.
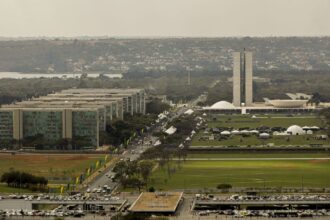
x=72 y=114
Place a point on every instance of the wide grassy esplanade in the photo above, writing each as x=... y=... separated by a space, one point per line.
x=249 y=122
x=244 y=173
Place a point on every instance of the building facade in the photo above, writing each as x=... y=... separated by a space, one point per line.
x=52 y=125
x=242 y=78
x=74 y=114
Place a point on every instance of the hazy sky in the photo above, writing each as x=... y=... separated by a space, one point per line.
x=164 y=17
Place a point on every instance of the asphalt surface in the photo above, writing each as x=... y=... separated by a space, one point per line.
x=252 y=159
x=15 y=204
x=132 y=153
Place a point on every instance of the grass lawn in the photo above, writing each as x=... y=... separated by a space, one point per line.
x=247 y=122
x=5 y=189
x=259 y=155
x=58 y=168
x=236 y=121
x=208 y=174
x=238 y=140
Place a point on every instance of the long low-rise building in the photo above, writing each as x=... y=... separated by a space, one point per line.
x=50 y=124
x=75 y=114
x=283 y=107
x=133 y=99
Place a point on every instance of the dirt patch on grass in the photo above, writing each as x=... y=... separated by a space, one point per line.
x=80 y=157
x=319 y=161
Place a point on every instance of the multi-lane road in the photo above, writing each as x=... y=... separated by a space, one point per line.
x=132 y=153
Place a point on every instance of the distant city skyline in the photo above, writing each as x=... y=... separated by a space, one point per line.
x=164 y=18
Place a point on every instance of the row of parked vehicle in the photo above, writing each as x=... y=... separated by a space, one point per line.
x=280 y=197
x=76 y=197
x=269 y=213
x=237 y=197
x=61 y=211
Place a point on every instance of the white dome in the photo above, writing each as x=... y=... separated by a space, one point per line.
x=254 y=132
x=225 y=133
x=222 y=105
x=264 y=135
x=235 y=132
x=287 y=103
x=295 y=130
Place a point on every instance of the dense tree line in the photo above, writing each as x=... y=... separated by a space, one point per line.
x=13 y=90
x=156 y=106
x=119 y=131
x=134 y=174
x=169 y=147
x=40 y=142
x=169 y=143
x=137 y=74
x=19 y=179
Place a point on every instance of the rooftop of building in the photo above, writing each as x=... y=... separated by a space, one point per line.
x=99 y=95
x=101 y=90
x=98 y=100
x=223 y=105
x=157 y=202
x=65 y=102
x=48 y=109
x=77 y=98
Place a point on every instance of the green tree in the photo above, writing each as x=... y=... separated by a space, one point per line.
x=146 y=167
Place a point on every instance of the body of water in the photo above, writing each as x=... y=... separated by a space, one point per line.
x=16 y=75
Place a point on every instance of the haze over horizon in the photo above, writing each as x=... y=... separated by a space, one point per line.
x=160 y=18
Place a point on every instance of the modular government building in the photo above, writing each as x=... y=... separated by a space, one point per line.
x=70 y=114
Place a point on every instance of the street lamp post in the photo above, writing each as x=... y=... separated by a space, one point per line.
x=20 y=182
x=264 y=185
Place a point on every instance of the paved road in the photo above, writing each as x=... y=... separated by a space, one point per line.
x=137 y=149
x=252 y=159
x=15 y=204
x=131 y=154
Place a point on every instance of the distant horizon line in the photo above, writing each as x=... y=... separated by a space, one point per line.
x=158 y=37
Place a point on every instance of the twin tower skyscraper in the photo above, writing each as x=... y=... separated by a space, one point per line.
x=242 y=79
